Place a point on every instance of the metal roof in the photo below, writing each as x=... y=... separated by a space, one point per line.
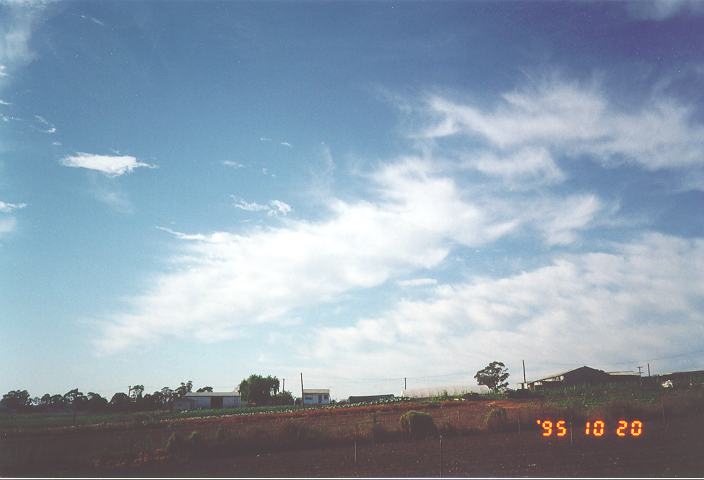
x=314 y=391
x=213 y=394
x=563 y=373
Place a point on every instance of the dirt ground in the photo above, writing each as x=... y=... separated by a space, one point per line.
x=672 y=448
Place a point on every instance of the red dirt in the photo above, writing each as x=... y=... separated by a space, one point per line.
x=672 y=448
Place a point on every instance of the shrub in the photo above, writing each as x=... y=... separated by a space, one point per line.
x=417 y=424
x=174 y=445
x=496 y=420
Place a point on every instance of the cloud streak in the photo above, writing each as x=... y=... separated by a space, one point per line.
x=573 y=119
x=110 y=165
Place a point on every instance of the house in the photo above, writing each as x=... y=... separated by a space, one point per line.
x=580 y=376
x=316 y=396
x=369 y=398
x=195 y=400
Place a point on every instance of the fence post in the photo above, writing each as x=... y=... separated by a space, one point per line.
x=519 y=421
x=355 y=451
x=440 y=456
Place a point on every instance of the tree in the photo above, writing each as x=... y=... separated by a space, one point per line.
x=16 y=400
x=204 y=389
x=493 y=376
x=95 y=403
x=282 y=398
x=120 y=402
x=136 y=391
x=258 y=389
x=74 y=398
x=183 y=389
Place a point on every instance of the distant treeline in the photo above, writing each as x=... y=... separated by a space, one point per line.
x=255 y=390
x=75 y=400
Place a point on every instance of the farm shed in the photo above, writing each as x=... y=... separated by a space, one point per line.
x=369 y=398
x=195 y=400
x=578 y=376
x=316 y=396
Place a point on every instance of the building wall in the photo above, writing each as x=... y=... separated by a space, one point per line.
x=316 y=399
x=231 y=402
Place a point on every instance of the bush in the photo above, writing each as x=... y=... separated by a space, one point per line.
x=174 y=445
x=496 y=420
x=417 y=424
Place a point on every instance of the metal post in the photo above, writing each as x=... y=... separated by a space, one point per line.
x=283 y=387
x=355 y=451
x=440 y=456
x=303 y=397
x=524 y=375
x=404 y=384
x=648 y=368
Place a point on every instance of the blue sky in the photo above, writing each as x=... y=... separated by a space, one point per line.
x=357 y=191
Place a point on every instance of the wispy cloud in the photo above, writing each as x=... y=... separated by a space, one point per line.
x=286 y=144
x=272 y=208
x=9 y=207
x=93 y=19
x=7 y=225
x=417 y=282
x=573 y=119
x=4 y=103
x=111 y=165
x=233 y=164
x=231 y=280
x=17 y=22
x=664 y=9
x=45 y=125
x=580 y=300
x=264 y=139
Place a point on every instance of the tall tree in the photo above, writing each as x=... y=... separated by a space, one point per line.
x=258 y=389
x=493 y=376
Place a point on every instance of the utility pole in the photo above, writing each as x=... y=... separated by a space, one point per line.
x=404 y=384
x=640 y=370
x=303 y=397
x=524 y=374
x=283 y=388
x=648 y=368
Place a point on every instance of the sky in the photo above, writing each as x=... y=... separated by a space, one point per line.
x=359 y=192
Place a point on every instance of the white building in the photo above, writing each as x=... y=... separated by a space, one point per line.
x=194 y=400
x=316 y=396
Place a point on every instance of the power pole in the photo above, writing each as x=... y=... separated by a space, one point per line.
x=648 y=368
x=404 y=384
x=303 y=397
x=524 y=374
x=283 y=388
x=640 y=370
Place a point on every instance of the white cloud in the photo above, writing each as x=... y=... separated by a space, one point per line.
x=111 y=165
x=3 y=71
x=572 y=119
x=286 y=144
x=417 y=282
x=3 y=102
x=93 y=19
x=273 y=208
x=264 y=139
x=230 y=163
x=226 y=281
x=640 y=300
x=525 y=167
x=9 y=207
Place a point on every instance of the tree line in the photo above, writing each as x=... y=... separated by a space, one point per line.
x=254 y=390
